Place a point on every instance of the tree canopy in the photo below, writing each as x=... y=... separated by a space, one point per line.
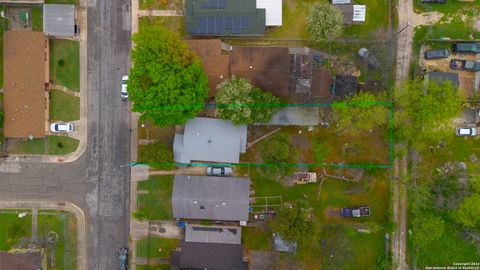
x=278 y=152
x=156 y=154
x=426 y=228
x=360 y=113
x=240 y=102
x=468 y=211
x=167 y=83
x=293 y=224
x=325 y=22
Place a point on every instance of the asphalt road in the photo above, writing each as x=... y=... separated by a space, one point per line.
x=98 y=182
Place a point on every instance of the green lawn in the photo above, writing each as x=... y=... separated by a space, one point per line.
x=174 y=23
x=451 y=6
x=61 y=145
x=1 y=53
x=73 y=2
x=33 y=147
x=37 y=19
x=64 y=107
x=154 y=247
x=161 y=4
x=65 y=63
x=254 y=238
x=56 y=145
x=157 y=204
x=13 y=228
x=62 y=224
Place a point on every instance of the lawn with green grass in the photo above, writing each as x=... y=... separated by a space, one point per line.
x=157 y=203
x=32 y=147
x=154 y=247
x=37 y=19
x=450 y=7
x=62 y=225
x=72 y=2
x=61 y=145
x=255 y=238
x=64 y=107
x=174 y=23
x=161 y=4
x=14 y=229
x=65 y=63
x=1 y=54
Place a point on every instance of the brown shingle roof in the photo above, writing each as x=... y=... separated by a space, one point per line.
x=321 y=82
x=215 y=64
x=266 y=67
x=25 y=76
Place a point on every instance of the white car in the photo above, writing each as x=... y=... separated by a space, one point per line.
x=124 y=88
x=466 y=131
x=61 y=127
x=219 y=171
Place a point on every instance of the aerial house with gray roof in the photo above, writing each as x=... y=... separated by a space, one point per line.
x=59 y=20
x=211 y=198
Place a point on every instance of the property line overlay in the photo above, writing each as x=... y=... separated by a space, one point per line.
x=389 y=105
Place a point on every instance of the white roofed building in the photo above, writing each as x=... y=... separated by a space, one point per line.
x=273 y=11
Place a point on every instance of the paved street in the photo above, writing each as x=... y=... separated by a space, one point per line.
x=96 y=181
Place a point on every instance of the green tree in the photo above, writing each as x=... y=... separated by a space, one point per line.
x=240 y=102
x=167 y=83
x=325 y=22
x=156 y=153
x=293 y=224
x=468 y=213
x=361 y=114
x=278 y=153
x=425 y=111
x=426 y=228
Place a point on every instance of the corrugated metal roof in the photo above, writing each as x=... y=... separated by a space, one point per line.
x=359 y=13
x=210 y=139
x=213 y=234
x=273 y=11
x=211 y=198
x=59 y=20
x=341 y=2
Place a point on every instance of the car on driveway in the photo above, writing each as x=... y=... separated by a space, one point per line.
x=123 y=259
x=466 y=131
x=61 y=127
x=124 y=92
x=219 y=171
x=437 y=54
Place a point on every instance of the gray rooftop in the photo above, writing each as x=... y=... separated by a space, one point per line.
x=59 y=20
x=211 y=256
x=213 y=234
x=211 y=198
x=210 y=139
x=295 y=116
x=441 y=77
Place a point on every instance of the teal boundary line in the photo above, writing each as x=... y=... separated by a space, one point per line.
x=390 y=106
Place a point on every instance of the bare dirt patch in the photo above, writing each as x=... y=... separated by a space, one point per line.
x=332 y=212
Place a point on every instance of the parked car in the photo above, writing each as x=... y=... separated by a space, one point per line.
x=464 y=131
x=219 y=171
x=466 y=47
x=437 y=54
x=465 y=65
x=368 y=57
x=434 y=1
x=61 y=127
x=124 y=88
x=123 y=259
x=360 y=211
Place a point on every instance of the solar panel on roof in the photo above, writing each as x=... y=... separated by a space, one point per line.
x=236 y=31
x=219 y=25
x=227 y=22
x=211 y=25
x=244 y=22
x=236 y=22
x=222 y=4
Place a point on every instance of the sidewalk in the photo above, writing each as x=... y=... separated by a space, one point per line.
x=65 y=206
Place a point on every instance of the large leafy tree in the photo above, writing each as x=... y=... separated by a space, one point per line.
x=156 y=154
x=293 y=224
x=278 y=154
x=468 y=212
x=360 y=113
x=167 y=83
x=426 y=228
x=240 y=102
x=325 y=22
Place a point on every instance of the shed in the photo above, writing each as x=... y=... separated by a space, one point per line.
x=341 y=2
x=353 y=13
x=344 y=85
x=59 y=20
x=273 y=11
x=210 y=139
x=211 y=198
x=26 y=76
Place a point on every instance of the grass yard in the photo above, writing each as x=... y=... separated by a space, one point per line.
x=64 y=107
x=32 y=147
x=148 y=130
x=161 y=4
x=61 y=145
x=13 y=229
x=72 y=2
x=255 y=238
x=449 y=7
x=63 y=225
x=157 y=202
x=52 y=145
x=37 y=19
x=1 y=52
x=174 y=23
x=294 y=24
x=65 y=63
x=154 y=247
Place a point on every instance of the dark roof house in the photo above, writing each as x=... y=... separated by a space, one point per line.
x=213 y=234
x=352 y=13
x=224 y=18
x=26 y=77
x=215 y=63
x=344 y=86
x=59 y=20
x=441 y=77
x=28 y=260
x=211 y=198
x=321 y=82
x=266 y=67
x=210 y=139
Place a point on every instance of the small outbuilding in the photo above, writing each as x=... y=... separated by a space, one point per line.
x=284 y=246
x=442 y=77
x=59 y=20
x=273 y=11
x=344 y=86
x=353 y=13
